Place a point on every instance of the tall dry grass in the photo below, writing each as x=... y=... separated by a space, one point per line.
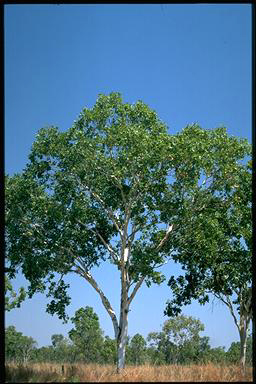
x=47 y=372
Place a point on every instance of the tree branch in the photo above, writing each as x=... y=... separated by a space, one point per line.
x=104 y=299
x=230 y=306
x=109 y=212
x=107 y=246
x=160 y=265
x=119 y=186
x=137 y=286
x=135 y=229
x=169 y=229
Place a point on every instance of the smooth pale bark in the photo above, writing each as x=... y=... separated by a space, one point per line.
x=243 y=332
x=243 y=344
x=121 y=344
x=245 y=318
x=124 y=308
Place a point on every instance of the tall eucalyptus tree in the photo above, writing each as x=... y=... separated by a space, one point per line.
x=103 y=190
x=89 y=194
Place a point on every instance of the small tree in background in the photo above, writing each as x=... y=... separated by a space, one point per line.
x=44 y=354
x=178 y=342
x=160 y=349
x=138 y=349
x=62 y=348
x=87 y=335
x=57 y=340
x=183 y=332
x=18 y=347
x=109 y=351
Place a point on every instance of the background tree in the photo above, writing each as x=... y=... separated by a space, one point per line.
x=138 y=349
x=160 y=350
x=179 y=342
x=233 y=353
x=213 y=237
x=12 y=343
x=183 y=331
x=87 y=335
x=57 y=340
x=18 y=347
x=190 y=348
x=199 y=352
x=43 y=354
x=109 y=351
x=28 y=346
x=217 y=355
x=62 y=348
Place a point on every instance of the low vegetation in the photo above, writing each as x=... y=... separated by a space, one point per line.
x=46 y=372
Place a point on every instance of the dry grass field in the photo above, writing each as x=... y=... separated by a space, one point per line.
x=46 y=373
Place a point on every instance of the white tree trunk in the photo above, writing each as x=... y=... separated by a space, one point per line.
x=243 y=344
x=123 y=322
x=245 y=300
x=121 y=344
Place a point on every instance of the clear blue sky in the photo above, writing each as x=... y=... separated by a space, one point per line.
x=191 y=63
